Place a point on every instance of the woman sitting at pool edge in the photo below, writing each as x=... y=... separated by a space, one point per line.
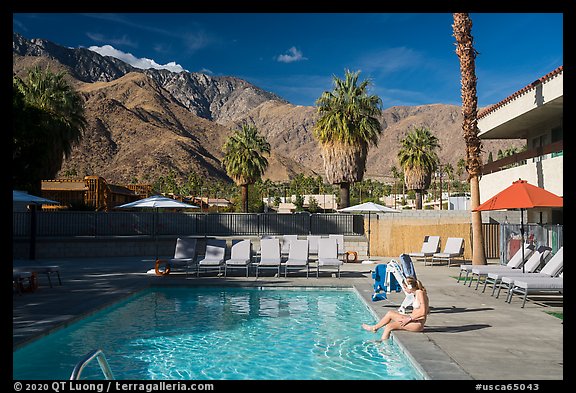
x=414 y=322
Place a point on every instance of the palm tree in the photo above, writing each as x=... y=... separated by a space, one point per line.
x=48 y=121
x=449 y=171
x=466 y=53
x=418 y=159
x=398 y=176
x=347 y=126
x=244 y=159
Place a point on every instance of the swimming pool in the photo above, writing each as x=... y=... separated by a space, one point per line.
x=223 y=333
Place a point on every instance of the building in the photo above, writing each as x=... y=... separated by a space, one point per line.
x=535 y=114
x=92 y=192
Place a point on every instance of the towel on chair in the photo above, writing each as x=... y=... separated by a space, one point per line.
x=407 y=266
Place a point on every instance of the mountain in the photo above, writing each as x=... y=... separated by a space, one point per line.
x=147 y=123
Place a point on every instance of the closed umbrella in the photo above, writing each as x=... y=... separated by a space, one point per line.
x=521 y=195
x=156 y=202
x=368 y=207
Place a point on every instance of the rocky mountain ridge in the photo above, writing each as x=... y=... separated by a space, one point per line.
x=146 y=123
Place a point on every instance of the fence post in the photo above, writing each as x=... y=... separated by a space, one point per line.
x=32 y=249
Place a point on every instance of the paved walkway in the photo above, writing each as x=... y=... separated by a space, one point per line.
x=469 y=335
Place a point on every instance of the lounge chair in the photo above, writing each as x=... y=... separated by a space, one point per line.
x=286 y=241
x=313 y=244
x=493 y=276
x=270 y=257
x=328 y=255
x=213 y=257
x=184 y=254
x=514 y=263
x=430 y=246
x=340 y=241
x=39 y=269
x=297 y=257
x=552 y=268
x=454 y=248
x=240 y=256
x=536 y=285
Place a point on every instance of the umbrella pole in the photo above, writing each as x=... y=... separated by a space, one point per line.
x=369 y=214
x=522 y=236
x=156 y=231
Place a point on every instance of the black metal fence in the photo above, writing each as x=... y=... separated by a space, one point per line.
x=63 y=224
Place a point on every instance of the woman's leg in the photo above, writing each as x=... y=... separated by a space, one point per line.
x=390 y=316
x=413 y=326
x=391 y=326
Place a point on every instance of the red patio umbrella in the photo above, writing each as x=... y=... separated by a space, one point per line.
x=521 y=195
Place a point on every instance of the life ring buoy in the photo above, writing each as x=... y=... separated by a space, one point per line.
x=166 y=270
x=351 y=256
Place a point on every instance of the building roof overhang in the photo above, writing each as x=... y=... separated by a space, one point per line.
x=530 y=108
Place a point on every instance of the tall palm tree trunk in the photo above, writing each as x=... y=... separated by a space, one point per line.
x=244 y=189
x=466 y=53
x=344 y=195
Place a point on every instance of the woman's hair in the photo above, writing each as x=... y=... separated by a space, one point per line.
x=415 y=283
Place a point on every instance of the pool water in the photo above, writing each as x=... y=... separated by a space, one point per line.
x=223 y=333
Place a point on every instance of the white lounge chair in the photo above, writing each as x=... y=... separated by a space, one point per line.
x=552 y=268
x=515 y=262
x=240 y=256
x=454 y=248
x=184 y=254
x=286 y=241
x=270 y=257
x=313 y=244
x=536 y=285
x=328 y=255
x=430 y=246
x=297 y=257
x=493 y=276
x=214 y=256
x=340 y=242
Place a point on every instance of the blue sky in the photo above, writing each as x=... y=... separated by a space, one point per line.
x=409 y=57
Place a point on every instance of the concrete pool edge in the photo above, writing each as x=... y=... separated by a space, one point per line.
x=433 y=362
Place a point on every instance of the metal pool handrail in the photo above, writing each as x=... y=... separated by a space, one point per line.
x=94 y=354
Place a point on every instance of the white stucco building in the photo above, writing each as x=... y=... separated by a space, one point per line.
x=535 y=114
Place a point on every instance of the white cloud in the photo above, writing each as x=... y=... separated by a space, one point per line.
x=291 y=56
x=143 y=63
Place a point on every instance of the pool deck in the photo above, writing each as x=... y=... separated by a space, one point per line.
x=469 y=335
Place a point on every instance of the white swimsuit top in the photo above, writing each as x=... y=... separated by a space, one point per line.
x=416 y=303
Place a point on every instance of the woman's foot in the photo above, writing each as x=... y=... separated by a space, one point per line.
x=369 y=328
